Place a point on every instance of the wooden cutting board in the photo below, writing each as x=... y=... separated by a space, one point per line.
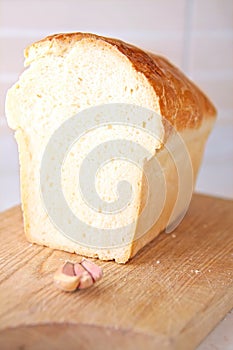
x=170 y=296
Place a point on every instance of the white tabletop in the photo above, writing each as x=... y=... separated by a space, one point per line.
x=221 y=338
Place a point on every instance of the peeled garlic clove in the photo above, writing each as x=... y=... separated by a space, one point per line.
x=65 y=280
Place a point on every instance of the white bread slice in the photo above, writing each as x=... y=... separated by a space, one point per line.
x=71 y=72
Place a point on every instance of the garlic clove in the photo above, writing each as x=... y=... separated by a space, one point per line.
x=94 y=270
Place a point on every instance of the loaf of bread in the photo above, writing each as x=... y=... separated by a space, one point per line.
x=67 y=74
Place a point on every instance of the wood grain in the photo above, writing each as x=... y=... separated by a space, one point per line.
x=170 y=296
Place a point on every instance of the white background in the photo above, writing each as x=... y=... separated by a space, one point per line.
x=196 y=35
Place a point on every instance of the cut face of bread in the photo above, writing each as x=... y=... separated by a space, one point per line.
x=67 y=75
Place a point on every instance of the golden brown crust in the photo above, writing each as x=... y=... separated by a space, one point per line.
x=181 y=102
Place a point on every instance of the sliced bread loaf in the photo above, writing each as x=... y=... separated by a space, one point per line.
x=69 y=73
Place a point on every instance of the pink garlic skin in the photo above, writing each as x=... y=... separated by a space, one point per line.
x=68 y=269
x=86 y=280
x=94 y=270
